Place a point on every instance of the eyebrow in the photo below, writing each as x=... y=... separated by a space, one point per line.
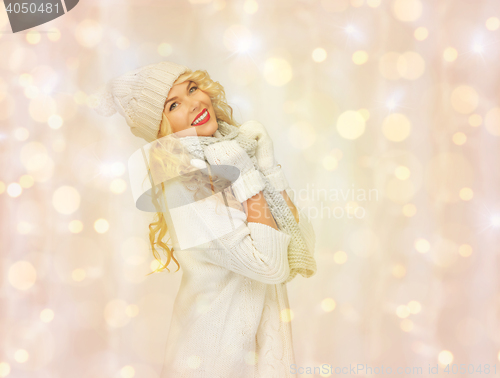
x=174 y=98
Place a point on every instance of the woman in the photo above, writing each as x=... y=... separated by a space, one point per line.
x=230 y=314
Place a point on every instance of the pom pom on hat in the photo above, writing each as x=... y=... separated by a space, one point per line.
x=139 y=96
x=103 y=103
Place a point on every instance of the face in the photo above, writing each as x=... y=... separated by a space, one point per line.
x=188 y=107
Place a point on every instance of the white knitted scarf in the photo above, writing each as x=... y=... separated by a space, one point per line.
x=300 y=259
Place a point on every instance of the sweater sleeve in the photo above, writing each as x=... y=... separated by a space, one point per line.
x=254 y=250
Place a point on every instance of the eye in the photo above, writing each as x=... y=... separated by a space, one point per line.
x=193 y=87
x=171 y=106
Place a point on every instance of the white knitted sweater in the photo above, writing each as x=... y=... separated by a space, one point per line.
x=227 y=316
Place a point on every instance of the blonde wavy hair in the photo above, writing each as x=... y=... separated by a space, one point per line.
x=171 y=161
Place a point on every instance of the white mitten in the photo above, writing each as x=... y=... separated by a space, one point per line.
x=229 y=152
x=264 y=154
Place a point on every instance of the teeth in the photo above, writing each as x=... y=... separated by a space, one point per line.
x=201 y=118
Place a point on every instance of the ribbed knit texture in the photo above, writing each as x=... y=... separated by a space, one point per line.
x=226 y=319
x=139 y=96
x=300 y=257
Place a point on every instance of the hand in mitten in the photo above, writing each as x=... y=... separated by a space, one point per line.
x=230 y=153
x=264 y=154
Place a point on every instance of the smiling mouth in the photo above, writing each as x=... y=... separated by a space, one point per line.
x=202 y=118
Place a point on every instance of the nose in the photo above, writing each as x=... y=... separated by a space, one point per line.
x=195 y=105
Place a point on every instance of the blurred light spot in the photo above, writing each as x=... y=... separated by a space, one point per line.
x=492 y=121
x=360 y=57
x=78 y=274
x=7 y=107
x=402 y=311
x=445 y=357
x=101 y=226
x=421 y=33
x=388 y=65
x=410 y=65
x=478 y=48
x=2 y=187
x=21 y=356
x=31 y=92
x=59 y=145
x=25 y=79
x=398 y=271
x=465 y=250
x=4 y=369
x=26 y=181
x=396 y=127
x=459 y=138
x=409 y=210
x=34 y=156
x=319 y=55
x=328 y=304
x=75 y=226
x=466 y=194
x=495 y=220
x=407 y=10
x=80 y=98
x=450 y=54
x=24 y=228
x=155 y=264
x=365 y=113
x=340 y=257
x=475 y=120
x=357 y=3
x=219 y=4
x=14 y=190
x=132 y=310
x=115 y=313
x=54 y=34
x=118 y=186
x=47 y=315
x=335 y=5
x=66 y=200
x=22 y=275
x=194 y=361
x=286 y=315
x=422 y=245
x=88 y=33
x=351 y=125
x=250 y=6
x=134 y=250
x=373 y=3
x=301 y=135
x=414 y=307
x=238 y=39
x=277 y=71
x=402 y=172
x=20 y=133
x=464 y=99
x=42 y=107
x=492 y=23
x=330 y=162
x=55 y=121
x=406 y=325
x=127 y=372
x=164 y=49
x=251 y=358
x=123 y=43
x=399 y=191
x=33 y=37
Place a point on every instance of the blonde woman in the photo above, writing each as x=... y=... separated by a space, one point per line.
x=246 y=239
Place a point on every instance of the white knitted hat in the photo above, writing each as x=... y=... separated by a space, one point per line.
x=139 y=96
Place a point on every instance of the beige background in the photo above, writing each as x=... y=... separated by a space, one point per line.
x=398 y=99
